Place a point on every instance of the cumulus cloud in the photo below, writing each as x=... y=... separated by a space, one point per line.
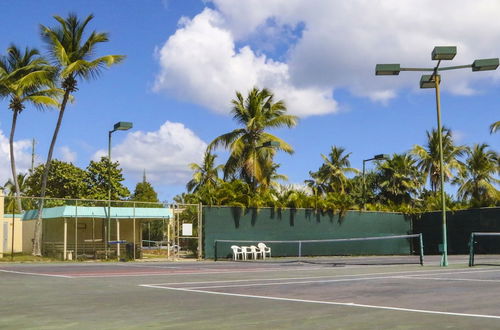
x=212 y=55
x=164 y=154
x=67 y=155
x=22 y=152
x=200 y=63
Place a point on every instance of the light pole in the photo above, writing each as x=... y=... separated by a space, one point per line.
x=433 y=81
x=376 y=157
x=119 y=126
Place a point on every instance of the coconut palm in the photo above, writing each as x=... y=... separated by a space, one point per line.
x=13 y=193
x=495 y=127
x=73 y=55
x=247 y=145
x=399 y=178
x=270 y=175
x=477 y=177
x=206 y=174
x=25 y=78
x=428 y=157
x=334 y=169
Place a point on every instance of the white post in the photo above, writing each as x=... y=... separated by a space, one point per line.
x=118 y=238
x=65 y=238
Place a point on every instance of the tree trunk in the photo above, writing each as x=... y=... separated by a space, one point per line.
x=13 y=161
x=37 y=242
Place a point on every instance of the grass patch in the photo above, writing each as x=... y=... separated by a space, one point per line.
x=20 y=257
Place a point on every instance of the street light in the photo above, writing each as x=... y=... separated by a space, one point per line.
x=433 y=80
x=119 y=126
x=376 y=157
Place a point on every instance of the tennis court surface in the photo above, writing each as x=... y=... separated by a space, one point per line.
x=230 y=295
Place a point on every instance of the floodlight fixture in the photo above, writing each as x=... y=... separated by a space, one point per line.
x=444 y=53
x=429 y=81
x=387 y=69
x=122 y=126
x=485 y=64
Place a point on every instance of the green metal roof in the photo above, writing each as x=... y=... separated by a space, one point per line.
x=100 y=212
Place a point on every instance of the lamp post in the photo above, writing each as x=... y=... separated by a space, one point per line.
x=376 y=157
x=119 y=126
x=433 y=81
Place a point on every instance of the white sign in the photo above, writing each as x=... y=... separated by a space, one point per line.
x=187 y=229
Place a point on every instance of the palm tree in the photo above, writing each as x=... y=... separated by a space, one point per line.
x=25 y=77
x=428 y=157
x=10 y=186
x=476 y=179
x=399 y=178
x=495 y=127
x=206 y=174
x=248 y=151
x=334 y=169
x=270 y=175
x=73 y=56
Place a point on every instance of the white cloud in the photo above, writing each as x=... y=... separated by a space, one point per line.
x=22 y=153
x=200 y=63
x=165 y=154
x=211 y=55
x=67 y=154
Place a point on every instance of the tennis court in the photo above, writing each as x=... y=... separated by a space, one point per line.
x=228 y=295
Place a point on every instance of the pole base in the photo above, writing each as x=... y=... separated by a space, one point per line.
x=444 y=260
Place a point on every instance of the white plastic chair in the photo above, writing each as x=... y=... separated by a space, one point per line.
x=264 y=249
x=237 y=251
x=256 y=252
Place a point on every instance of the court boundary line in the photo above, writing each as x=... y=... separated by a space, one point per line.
x=409 y=272
x=35 y=274
x=400 y=309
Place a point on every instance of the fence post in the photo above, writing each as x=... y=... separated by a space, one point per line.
x=421 y=239
x=200 y=231
x=471 y=250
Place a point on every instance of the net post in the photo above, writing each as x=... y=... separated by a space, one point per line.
x=421 y=240
x=215 y=250
x=471 y=250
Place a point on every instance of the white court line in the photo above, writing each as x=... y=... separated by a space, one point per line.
x=323 y=281
x=446 y=279
x=327 y=302
x=296 y=282
x=35 y=274
x=412 y=273
x=246 y=271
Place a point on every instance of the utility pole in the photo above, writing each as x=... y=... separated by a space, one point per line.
x=33 y=142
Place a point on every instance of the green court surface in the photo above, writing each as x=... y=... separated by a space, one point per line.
x=241 y=295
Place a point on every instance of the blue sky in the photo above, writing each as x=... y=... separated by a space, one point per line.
x=186 y=58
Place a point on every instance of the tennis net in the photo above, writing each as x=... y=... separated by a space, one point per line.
x=322 y=251
x=484 y=248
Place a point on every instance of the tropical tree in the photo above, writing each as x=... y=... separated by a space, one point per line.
x=206 y=174
x=144 y=192
x=25 y=77
x=477 y=177
x=399 y=179
x=251 y=147
x=270 y=176
x=334 y=169
x=103 y=175
x=12 y=198
x=73 y=55
x=65 y=180
x=428 y=157
x=495 y=127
